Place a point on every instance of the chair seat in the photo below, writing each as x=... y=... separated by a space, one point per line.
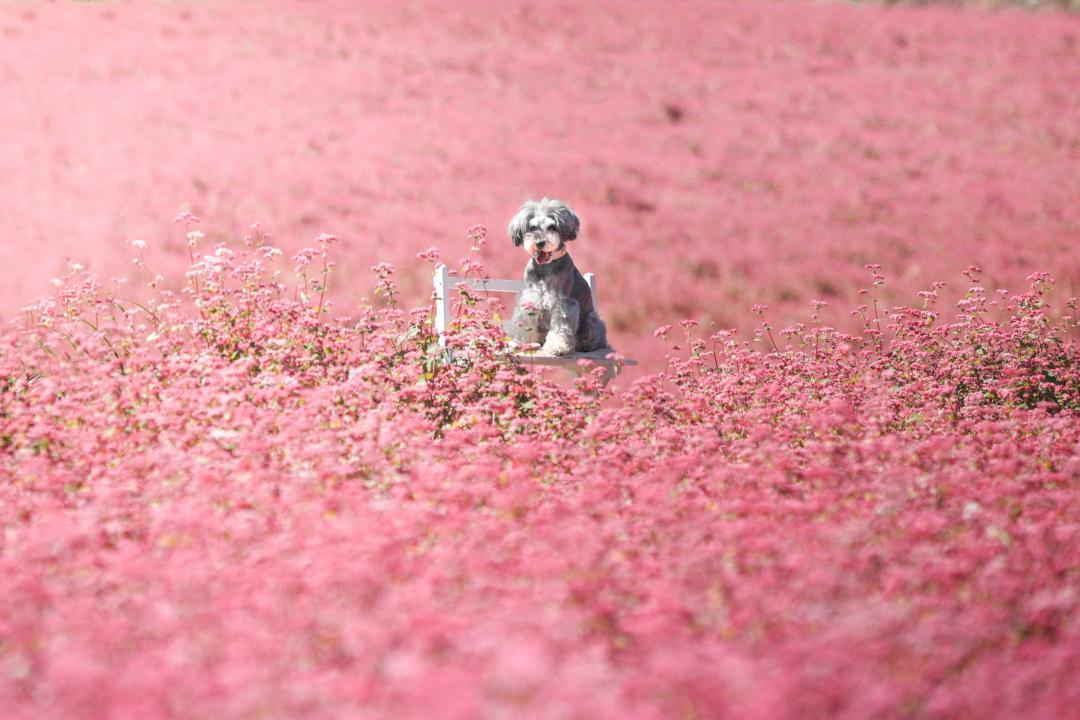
x=599 y=357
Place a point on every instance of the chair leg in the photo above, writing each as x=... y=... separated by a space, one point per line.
x=610 y=373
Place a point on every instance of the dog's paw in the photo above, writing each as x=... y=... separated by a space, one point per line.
x=557 y=345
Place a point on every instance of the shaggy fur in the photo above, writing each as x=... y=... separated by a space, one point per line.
x=555 y=309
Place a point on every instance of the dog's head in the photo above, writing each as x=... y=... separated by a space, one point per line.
x=544 y=227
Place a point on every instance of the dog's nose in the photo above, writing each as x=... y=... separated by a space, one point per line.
x=541 y=244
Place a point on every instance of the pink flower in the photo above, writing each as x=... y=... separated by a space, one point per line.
x=186 y=219
x=431 y=255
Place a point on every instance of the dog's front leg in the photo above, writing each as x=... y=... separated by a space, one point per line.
x=525 y=326
x=562 y=335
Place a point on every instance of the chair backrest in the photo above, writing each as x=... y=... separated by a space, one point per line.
x=445 y=283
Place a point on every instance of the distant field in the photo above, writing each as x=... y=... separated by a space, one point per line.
x=720 y=154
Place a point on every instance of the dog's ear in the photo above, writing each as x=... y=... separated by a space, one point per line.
x=566 y=222
x=520 y=222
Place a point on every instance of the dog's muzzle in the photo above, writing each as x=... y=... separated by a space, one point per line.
x=543 y=257
x=544 y=246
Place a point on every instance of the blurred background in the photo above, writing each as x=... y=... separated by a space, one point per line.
x=720 y=154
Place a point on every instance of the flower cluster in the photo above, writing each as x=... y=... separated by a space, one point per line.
x=221 y=502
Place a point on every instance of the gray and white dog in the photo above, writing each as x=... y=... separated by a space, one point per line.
x=555 y=309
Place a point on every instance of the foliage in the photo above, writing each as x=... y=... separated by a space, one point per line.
x=226 y=502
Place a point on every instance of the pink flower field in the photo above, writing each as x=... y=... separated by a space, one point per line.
x=241 y=476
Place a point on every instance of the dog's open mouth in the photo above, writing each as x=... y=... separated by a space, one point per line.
x=543 y=257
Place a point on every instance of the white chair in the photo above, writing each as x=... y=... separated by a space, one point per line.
x=445 y=283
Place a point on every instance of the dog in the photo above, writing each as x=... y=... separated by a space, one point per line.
x=555 y=310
